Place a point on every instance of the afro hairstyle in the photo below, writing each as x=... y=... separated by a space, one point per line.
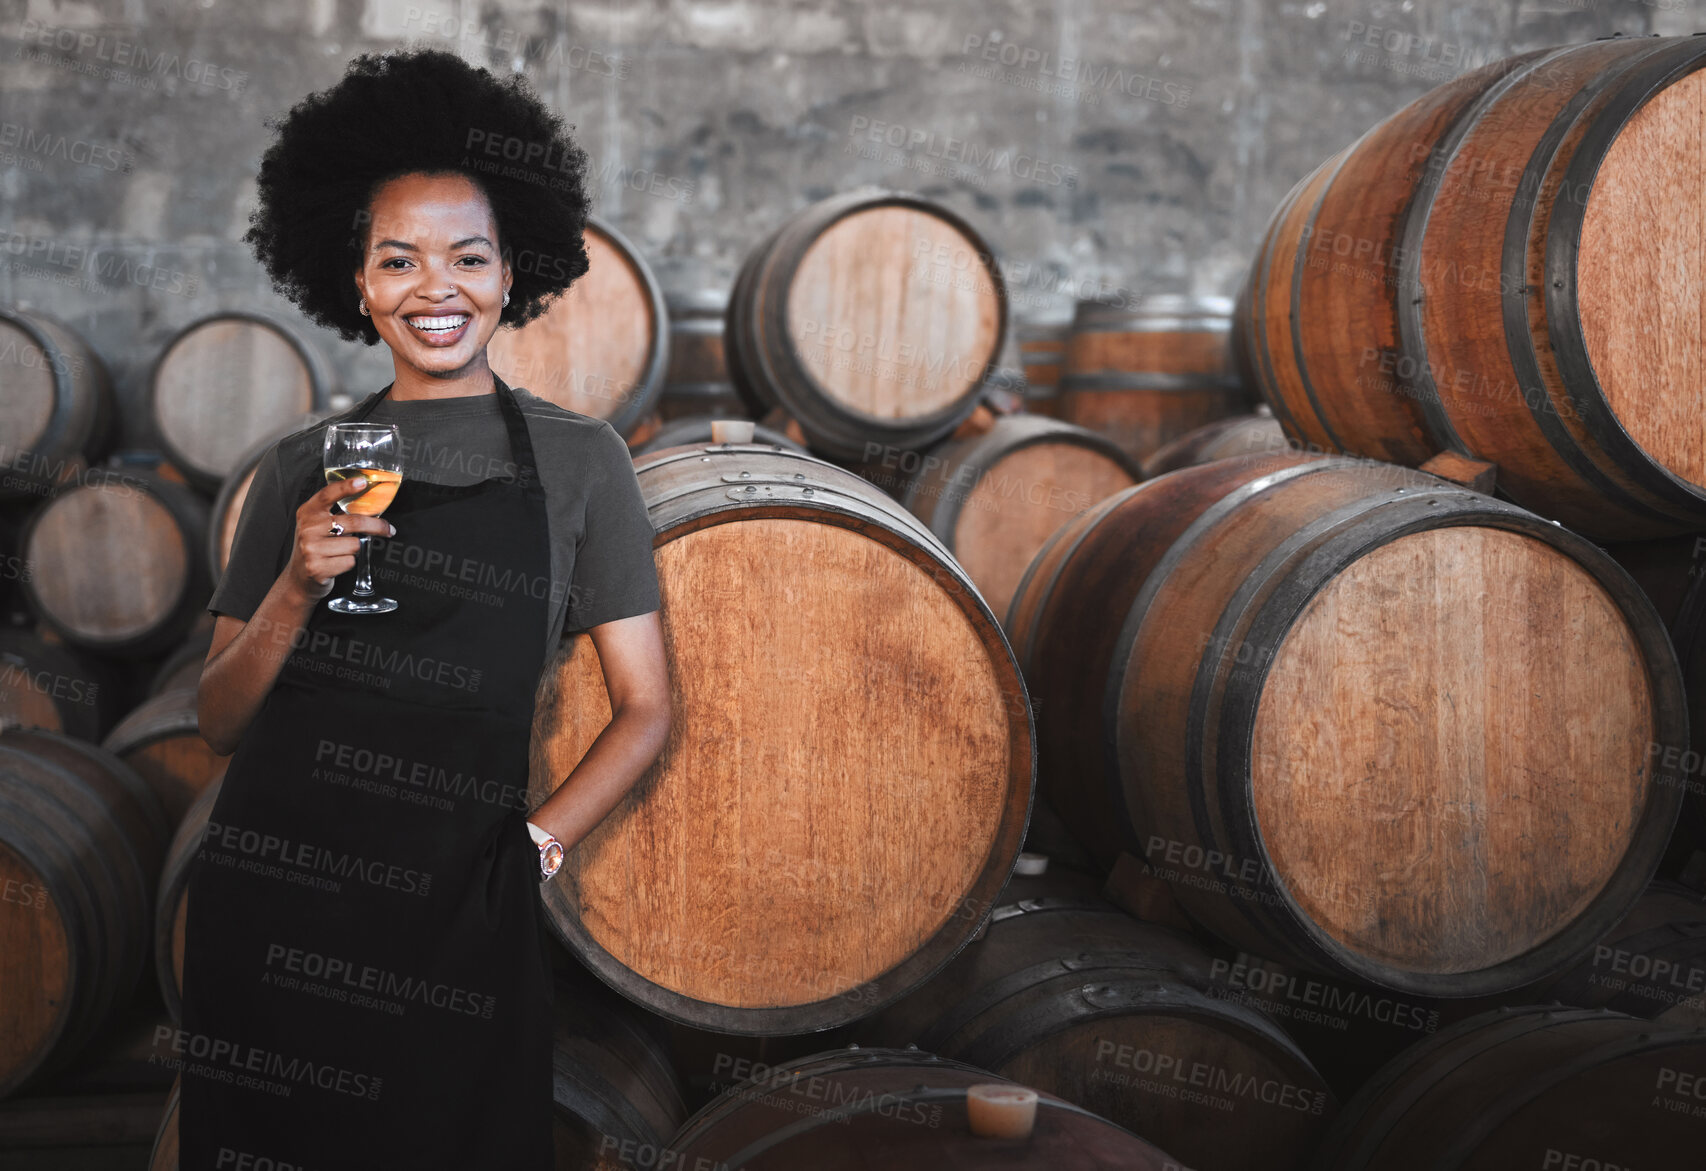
x=425 y=111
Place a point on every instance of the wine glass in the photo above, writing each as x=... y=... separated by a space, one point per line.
x=373 y=450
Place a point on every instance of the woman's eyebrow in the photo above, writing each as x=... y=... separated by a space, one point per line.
x=463 y=243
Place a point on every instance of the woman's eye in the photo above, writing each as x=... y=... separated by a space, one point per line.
x=393 y=260
x=476 y=259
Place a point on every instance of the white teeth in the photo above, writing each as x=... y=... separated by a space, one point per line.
x=438 y=324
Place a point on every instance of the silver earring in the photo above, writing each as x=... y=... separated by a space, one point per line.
x=364 y=311
x=506 y=297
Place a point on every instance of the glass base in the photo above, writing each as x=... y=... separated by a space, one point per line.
x=369 y=605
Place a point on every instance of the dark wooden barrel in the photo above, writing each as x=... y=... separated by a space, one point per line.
x=226 y=382
x=49 y=685
x=233 y=490
x=1651 y=963
x=994 y=495
x=182 y=668
x=79 y=852
x=1149 y=370
x=171 y=901
x=1464 y=278
x=893 y=1108
x=161 y=739
x=1530 y=1087
x=1333 y=703
x=614 y=1088
x=601 y=348
x=1068 y=994
x=873 y=318
x=1238 y=435
x=57 y=413
x=781 y=895
x=696 y=429
x=116 y=562
x=696 y=381
x=1042 y=351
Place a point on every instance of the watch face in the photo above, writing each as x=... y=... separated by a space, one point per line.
x=550 y=858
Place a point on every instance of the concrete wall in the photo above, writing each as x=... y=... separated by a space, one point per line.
x=1105 y=145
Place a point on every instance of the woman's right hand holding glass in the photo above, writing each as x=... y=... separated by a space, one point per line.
x=317 y=557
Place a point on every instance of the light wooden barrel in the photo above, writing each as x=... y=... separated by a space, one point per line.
x=873 y=318
x=57 y=413
x=1365 y=720
x=1222 y=439
x=602 y=347
x=53 y=686
x=894 y=1108
x=1069 y=994
x=80 y=842
x=161 y=739
x=686 y=430
x=994 y=497
x=696 y=381
x=1516 y=1087
x=1466 y=277
x=1147 y=372
x=848 y=773
x=1042 y=350
x=226 y=382
x=171 y=900
x=116 y=562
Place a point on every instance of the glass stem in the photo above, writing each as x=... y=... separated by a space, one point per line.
x=363 y=570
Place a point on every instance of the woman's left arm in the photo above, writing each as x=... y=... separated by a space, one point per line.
x=636 y=676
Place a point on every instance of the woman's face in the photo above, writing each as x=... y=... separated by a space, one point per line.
x=432 y=275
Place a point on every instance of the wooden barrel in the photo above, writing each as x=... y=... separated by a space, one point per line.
x=1238 y=435
x=49 y=685
x=57 y=413
x=171 y=900
x=1530 y=1087
x=1147 y=371
x=873 y=318
x=116 y=562
x=1650 y=963
x=77 y=840
x=182 y=668
x=897 y=1109
x=615 y=1091
x=1383 y=725
x=995 y=495
x=1069 y=994
x=696 y=381
x=161 y=740
x=781 y=895
x=226 y=382
x=227 y=507
x=687 y=430
x=601 y=348
x=1464 y=278
x=1042 y=350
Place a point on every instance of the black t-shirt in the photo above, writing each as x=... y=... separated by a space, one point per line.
x=602 y=567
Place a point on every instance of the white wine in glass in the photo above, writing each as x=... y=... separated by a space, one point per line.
x=373 y=450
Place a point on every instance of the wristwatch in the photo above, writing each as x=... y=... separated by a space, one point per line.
x=550 y=851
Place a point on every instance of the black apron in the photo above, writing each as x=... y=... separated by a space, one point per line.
x=366 y=975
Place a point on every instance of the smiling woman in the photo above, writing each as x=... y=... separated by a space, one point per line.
x=374 y=817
